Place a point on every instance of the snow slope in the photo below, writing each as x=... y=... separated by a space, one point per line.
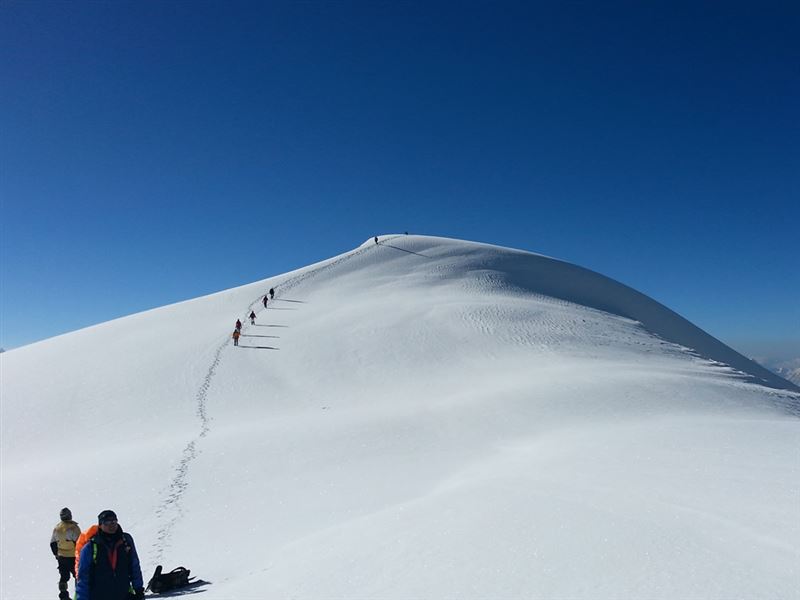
x=423 y=418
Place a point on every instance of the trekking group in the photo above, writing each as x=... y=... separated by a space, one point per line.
x=237 y=332
x=102 y=559
x=104 y=562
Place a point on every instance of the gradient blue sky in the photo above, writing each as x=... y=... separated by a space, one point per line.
x=152 y=152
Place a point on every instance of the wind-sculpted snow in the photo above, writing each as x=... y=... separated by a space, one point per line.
x=417 y=418
x=581 y=286
x=549 y=277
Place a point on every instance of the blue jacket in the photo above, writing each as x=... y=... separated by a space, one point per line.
x=109 y=568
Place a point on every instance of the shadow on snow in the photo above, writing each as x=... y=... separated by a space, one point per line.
x=187 y=590
x=259 y=347
x=403 y=250
x=260 y=336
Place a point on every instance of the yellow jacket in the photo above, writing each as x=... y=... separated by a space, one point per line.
x=65 y=534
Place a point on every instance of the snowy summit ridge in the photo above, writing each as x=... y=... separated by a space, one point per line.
x=419 y=417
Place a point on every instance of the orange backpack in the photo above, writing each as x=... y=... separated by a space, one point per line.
x=84 y=537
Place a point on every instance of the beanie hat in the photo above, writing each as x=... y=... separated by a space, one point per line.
x=106 y=515
x=65 y=514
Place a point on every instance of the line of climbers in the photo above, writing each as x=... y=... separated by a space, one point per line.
x=102 y=559
x=237 y=332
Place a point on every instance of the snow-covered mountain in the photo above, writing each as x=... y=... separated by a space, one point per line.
x=788 y=369
x=792 y=375
x=418 y=418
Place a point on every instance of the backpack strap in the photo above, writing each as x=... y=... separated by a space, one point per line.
x=127 y=543
x=93 y=564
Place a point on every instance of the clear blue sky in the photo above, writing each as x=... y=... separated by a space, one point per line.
x=152 y=152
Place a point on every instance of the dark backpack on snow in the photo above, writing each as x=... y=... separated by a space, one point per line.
x=162 y=582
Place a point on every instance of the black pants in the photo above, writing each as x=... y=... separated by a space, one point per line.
x=66 y=567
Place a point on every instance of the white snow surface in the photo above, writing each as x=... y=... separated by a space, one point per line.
x=421 y=418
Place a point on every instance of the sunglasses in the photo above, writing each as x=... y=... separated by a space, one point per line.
x=110 y=522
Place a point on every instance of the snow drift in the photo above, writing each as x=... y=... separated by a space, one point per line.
x=419 y=418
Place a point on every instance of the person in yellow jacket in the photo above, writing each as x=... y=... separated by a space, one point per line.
x=62 y=543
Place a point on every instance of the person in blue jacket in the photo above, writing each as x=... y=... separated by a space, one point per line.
x=109 y=565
